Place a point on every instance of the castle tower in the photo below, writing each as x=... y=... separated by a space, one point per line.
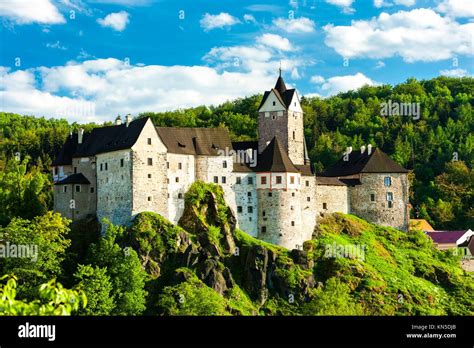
x=280 y=114
x=279 y=198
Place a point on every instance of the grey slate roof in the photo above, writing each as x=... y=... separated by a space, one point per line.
x=275 y=159
x=78 y=178
x=195 y=141
x=283 y=94
x=376 y=162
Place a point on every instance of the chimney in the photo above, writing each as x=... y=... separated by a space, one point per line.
x=80 y=135
x=118 y=121
x=369 y=149
x=362 y=149
x=128 y=119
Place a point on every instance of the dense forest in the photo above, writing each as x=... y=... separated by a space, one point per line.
x=438 y=147
x=205 y=266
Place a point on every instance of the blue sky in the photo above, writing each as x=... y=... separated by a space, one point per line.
x=91 y=60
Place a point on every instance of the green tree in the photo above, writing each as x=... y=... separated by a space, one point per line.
x=96 y=284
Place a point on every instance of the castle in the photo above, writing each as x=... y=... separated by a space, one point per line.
x=118 y=171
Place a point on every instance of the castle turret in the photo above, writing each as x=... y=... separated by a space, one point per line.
x=280 y=115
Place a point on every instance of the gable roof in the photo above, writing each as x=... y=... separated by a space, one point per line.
x=284 y=95
x=78 y=178
x=195 y=141
x=100 y=140
x=376 y=162
x=445 y=237
x=275 y=159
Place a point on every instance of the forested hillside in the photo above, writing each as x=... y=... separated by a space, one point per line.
x=438 y=147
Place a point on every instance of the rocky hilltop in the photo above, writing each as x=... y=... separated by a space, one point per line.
x=207 y=266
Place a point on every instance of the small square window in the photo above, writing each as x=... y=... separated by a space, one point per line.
x=121 y=162
x=249 y=194
x=149 y=176
x=390 y=204
x=278 y=179
x=223 y=179
x=274 y=103
x=177 y=179
x=390 y=196
x=180 y=195
x=149 y=198
x=372 y=197
x=78 y=188
x=92 y=190
x=224 y=164
x=270 y=194
x=180 y=165
x=101 y=166
x=167 y=165
x=64 y=188
x=150 y=161
x=273 y=117
x=149 y=141
x=263 y=180
x=263 y=212
x=292 y=194
x=250 y=210
x=239 y=209
x=75 y=170
x=307 y=183
x=387 y=181
x=55 y=170
x=264 y=229
x=292 y=179
x=308 y=199
x=106 y=166
x=216 y=180
x=250 y=180
x=325 y=206
x=238 y=180
x=292 y=223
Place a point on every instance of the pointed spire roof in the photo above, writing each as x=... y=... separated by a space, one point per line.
x=280 y=85
x=275 y=159
x=284 y=95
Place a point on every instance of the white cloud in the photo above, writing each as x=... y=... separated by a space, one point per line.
x=317 y=79
x=297 y=25
x=379 y=64
x=117 y=21
x=275 y=41
x=27 y=11
x=338 y=84
x=417 y=35
x=249 y=18
x=209 y=22
x=56 y=45
x=383 y=3
x=345 y=5
x=457 y=8
x=454 y=73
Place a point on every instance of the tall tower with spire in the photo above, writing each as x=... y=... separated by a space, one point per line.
x=281 y=116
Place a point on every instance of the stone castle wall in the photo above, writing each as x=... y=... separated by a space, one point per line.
x=308 y=204
x=332 y=199
x=180 y=175
x=246 y=203
x=379 y=211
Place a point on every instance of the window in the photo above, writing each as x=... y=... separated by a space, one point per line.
x=264 y=229
x=239 y=209
x=292 y=223
x=267 y=114
x=273 y=117
x=180 y=195
x=149 y=198
x=325 y=206
x=249 y=194
x=263 y=180
x=177 y=179
x=278 y=179
x=292 y=179
x=77 y=188
x=270 y=194
x=149 y=141
x=387 y=181
x=92 y=190
x=292 y=207
x=224 y=164
x=106 y=166
x=121 y=162
x=390 y=196
x=167 y=165
x=180 y=165
x=216 y=180
x=238 y=180
x=64 y=188
x=250 y=210
x=372 y=197
x=101 y=167
x=75 y=170
x=263 y=212
x=149 y=176
x=307 y=183
x=294 y=136
x=250 y=180
x=55 y=170
x=390 y=204
x=223 y=180
x=292 y=194
x=150 y=161
x=274 y=103
x=308 y=199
